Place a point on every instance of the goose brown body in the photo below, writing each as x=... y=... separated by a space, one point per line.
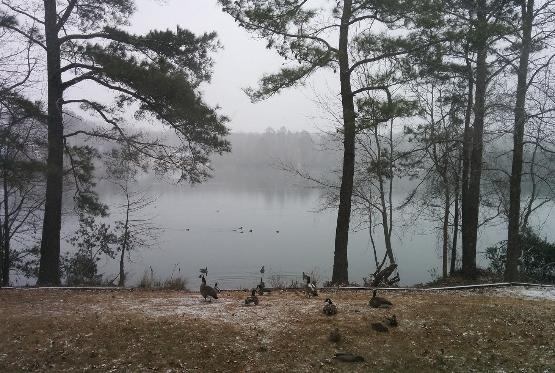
x=329 y=308
x=379 y=327
x=379 y=302
x=207 y=291
x=252 y=299
x=392 y=321
x=310 y=288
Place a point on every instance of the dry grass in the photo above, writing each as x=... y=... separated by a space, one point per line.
x=170 y=331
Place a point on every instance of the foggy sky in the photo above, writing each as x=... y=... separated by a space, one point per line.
x=241 y=62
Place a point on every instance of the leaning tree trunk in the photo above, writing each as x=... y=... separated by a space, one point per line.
x=340 y=264
x=470 y=235
x=513 y=244
x=49 y=270
x=386 y=221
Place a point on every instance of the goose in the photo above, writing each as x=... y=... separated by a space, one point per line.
x=379 y=327
x=379 y=302
x=329 y=307
x=252 y=299
x=310 y=288
x=207 y=291
x=392 y=321
x=261 y=287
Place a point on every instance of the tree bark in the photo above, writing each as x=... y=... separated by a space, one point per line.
x=473 y=198
x=513 y=245
x=446 y=208
x=340 y=263
x=6 y=237
x=467 y=150
x=49 y=270
x=386 y=221
x=453 y=268
x=121 y=281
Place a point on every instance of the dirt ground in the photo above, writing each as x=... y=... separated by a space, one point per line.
x=164 y=331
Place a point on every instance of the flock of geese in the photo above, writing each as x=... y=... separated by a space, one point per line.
x=329 y=309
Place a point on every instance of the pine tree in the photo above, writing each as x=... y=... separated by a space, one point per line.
x=327 y=37
x=157 y=75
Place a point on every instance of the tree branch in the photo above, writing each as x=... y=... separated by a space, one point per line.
x=66 y=15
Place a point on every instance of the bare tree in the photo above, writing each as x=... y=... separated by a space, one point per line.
x=134 y=231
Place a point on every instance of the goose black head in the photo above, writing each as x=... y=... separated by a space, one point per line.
x=328 y=300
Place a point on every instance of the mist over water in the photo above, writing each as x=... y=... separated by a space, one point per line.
x=200 y=225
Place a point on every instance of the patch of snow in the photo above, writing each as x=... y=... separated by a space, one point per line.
x=547 y=293
x=271 y=315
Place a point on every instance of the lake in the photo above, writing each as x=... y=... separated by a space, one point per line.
x=200 y=227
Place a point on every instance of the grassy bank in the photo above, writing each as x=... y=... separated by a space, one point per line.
x=56 y=330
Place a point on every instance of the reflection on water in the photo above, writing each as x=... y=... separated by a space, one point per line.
x=280 y=229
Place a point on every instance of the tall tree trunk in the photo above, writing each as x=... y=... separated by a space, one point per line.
x=446 y=208
x=372 y=242
x=6 y=237
x=1 y=247
x=340 y=264
x=386 y=222
x=473 y=198
x=124 y=244
x=467 y=150
x=49 y=270
x=452 y=269
x=513 y=244
x=445 y=251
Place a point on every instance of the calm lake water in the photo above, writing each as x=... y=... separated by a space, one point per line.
x=289 y=235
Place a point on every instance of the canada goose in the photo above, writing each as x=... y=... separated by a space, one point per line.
x=207 y=291
x=310 y=288
x=329 y=307
x=379 y=327
x=261 y=287
x=379 y=302
x=252 y=299
x=392 y=321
